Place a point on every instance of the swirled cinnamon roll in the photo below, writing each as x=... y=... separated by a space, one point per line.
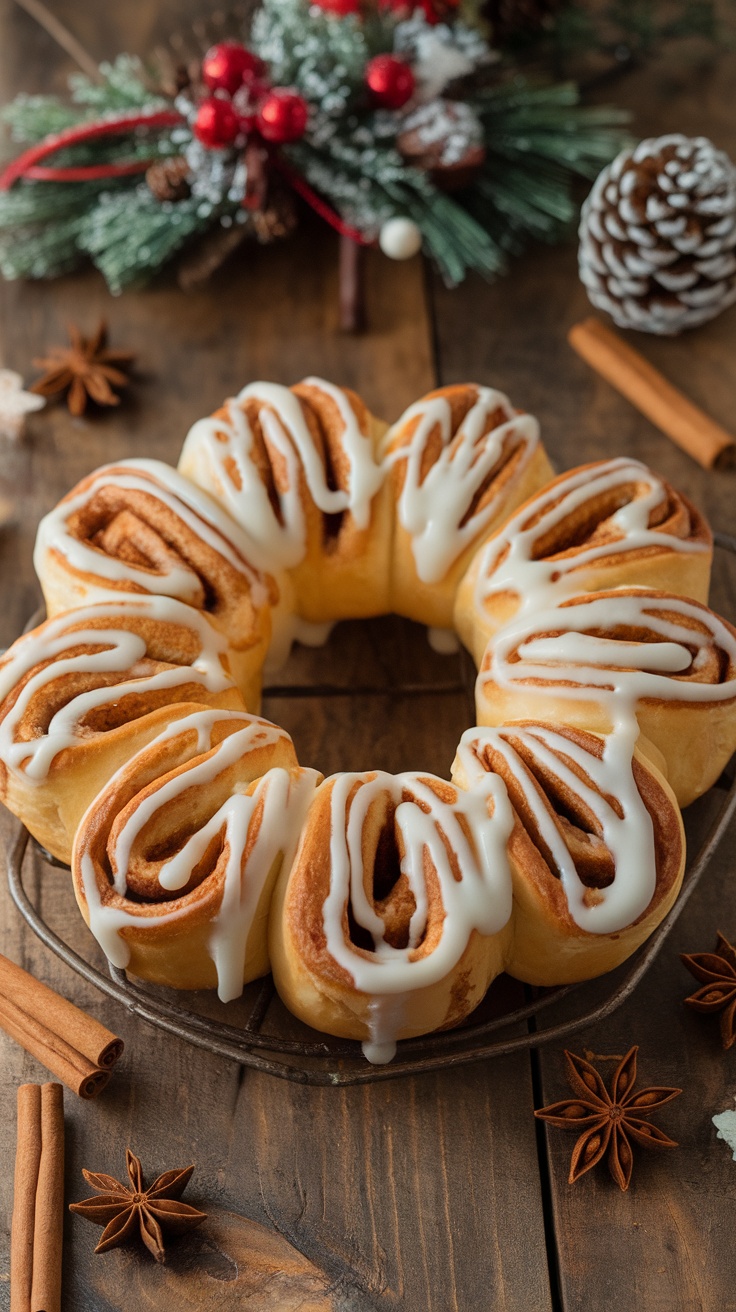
x=297 y=468
x=392 y=918
x=609 y=524
x=140 y=527
x=83 y=691
x=609 y=659
x=598 y=851
x=175 y=862
x=459 y=461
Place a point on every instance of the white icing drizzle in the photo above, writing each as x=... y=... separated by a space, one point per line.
x=629 y=837
x=280 y=537
x=201 y=514
x=616 y=673
x=289 y=628
x=444 y=641
x=432 y=509
x=41 y=653
x=480 y=899
x=282 y=797
x=541 y=582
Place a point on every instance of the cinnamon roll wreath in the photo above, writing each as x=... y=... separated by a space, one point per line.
x=204 y=854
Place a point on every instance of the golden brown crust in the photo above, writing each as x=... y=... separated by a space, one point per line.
x=547 y=945
x=140 y=528
x=695 y=735
x=185 y=937
x=321 y=989
x=62 y=735
x=518 y=467
x=577 y=539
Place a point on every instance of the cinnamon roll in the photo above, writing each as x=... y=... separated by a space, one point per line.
x=598 y=851
x=83 y=691
x=140 y=527
x=297 y=468
x=458 y=463
x=174 y=863
x=609 y=524
x=609 y=659
x=392 y=918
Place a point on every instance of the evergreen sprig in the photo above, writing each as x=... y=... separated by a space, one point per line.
x=537 y=139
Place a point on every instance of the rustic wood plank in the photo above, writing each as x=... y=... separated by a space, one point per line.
x=667 y=1244
x=421 y=1194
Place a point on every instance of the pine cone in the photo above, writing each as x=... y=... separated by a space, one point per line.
x=277 y=219
x=168 y=179
x=444 y=138
x=657 y=235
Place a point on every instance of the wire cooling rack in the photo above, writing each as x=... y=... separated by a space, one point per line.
x=292 y=1051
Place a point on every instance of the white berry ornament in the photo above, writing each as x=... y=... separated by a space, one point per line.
x=400 y=239
x=657 y=235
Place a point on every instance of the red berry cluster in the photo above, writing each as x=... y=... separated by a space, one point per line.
x=243 y=102
x=434 y=10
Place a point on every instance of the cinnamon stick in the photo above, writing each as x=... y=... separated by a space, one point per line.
x=74 y=1046
x=38 y=1204
x=48 y=1229
x=27 y=1162
x=672 y=412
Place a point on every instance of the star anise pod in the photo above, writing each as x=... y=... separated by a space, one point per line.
x=84 y=370
x=611 y=1122
x=717 y=973
x=126 y=1210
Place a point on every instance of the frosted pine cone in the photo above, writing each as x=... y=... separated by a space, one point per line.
x=657 y=235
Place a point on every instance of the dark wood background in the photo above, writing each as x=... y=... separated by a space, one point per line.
x=441 y=1191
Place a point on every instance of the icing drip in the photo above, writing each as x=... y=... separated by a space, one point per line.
x=541 y=582
x=434 y=508
x=444 y=641
x=279 y=799
x=197 y=511
x=428 y=828
x=629 y=837
x=40 y=655
x=561 y=648
x=221 y=454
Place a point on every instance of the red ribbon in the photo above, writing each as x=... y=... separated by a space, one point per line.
x=319 y=206
x=25 y=166
x=28 y=165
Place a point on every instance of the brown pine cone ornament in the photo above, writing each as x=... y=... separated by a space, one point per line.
x=169 y=179
x=657 y=235
x=444 y=138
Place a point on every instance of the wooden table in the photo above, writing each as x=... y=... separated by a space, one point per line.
x=439 y=1191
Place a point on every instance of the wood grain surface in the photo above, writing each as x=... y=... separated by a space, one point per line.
x=436 y=1192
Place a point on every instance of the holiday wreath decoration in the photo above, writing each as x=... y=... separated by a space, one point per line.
x=397 y=126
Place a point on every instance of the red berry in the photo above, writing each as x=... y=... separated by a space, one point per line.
x=228 y=65
x=245 y=102
x=390 y=81
x=282 y=116
x=216 y=123
x=340 y=7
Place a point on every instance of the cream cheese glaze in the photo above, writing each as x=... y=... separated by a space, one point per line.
x=435 y=504
x=626 y=829
x=279 y=801
x=219 y=453
x=201 y=514
x=428 y=827
x=568 y=647
x=120 y=651
x=508 y=562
